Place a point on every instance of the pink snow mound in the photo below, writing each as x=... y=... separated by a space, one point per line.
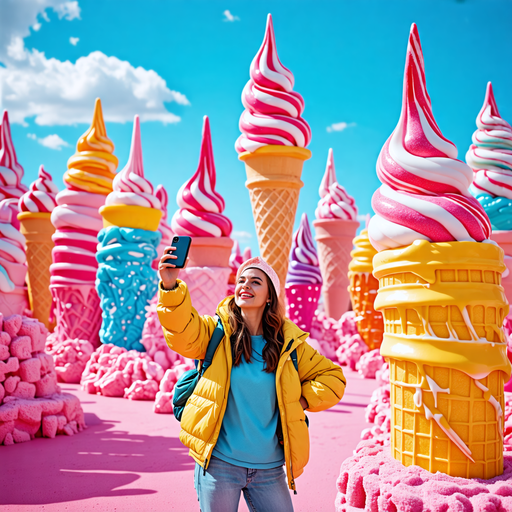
x=369 y=364
x=163 y=400
x=70 y=357
x=115 y=371
x=373 y=481
x=154 y=341
x=339 y=340
x=31 y=402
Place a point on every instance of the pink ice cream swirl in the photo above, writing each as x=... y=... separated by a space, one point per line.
x=335 y=202
x=130 y=186
x=201 y=207
x=11 y=172
x=273 y=110
x=163 y=227
x=41 y=197
x=490 y=155
x=425 y=192
x=13 y=257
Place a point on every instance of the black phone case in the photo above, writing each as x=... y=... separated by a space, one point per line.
x=182 y=248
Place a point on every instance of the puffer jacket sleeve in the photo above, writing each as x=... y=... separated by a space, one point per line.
x=185 y=331
x=323 y=382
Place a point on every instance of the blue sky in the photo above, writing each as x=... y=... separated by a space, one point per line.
x=347 y=57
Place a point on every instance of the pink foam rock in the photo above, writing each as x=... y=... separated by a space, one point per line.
x=21 y=347
x=369 y=364
x=11 y=366
x=142 y=390
x=30 y=369
x=70 y=357
x=163 y=402
x=12 y=324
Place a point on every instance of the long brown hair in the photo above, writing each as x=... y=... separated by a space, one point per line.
x=272 y=332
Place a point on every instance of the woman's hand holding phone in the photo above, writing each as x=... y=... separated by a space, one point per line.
x=167 y=270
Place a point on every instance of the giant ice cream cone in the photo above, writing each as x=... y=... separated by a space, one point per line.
x=35 y=207
x=38 y=230
x=334 y=241
x=363 y=291
x=273 y=180
x=443 y=309
x=440 y=294
x=76 y=218
x=304 y=280
x=200 y=217
x=126 y=281
x=273 y=148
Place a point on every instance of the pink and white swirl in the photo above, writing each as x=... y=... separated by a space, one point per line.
x=337 y=204
x=201 y=206
x=490 y=155
x=273 y=111
x=130 y=186
x=41 y=196
x=425 y=192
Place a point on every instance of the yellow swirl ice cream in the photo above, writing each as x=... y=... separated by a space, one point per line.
x=92 y=168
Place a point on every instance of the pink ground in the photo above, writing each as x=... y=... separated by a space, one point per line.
x=130 y=459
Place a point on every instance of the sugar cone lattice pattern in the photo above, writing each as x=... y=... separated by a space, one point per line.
x=207 y=287
x=78 y=313
x=447 y=354
x=363 y=291
x=274 y=215
x=466 y=410
x=39 y=259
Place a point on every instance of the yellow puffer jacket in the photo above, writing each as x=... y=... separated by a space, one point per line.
x=318 y=380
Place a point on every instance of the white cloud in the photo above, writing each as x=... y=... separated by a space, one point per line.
x=68 y=10
x=339 y=127
x=241 y=234
x=50 y=141
x=62 y=92
x=74 y=40
x=230 y=17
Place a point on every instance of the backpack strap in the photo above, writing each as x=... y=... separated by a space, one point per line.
x=218 y=334
x=293 y=355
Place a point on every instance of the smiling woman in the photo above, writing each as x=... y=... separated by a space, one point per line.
x=240 y=439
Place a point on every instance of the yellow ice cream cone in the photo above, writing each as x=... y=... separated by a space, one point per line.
x=273 y=180
x=363 y=291
x=38 y=230
x=128 y=216
x=443 y=307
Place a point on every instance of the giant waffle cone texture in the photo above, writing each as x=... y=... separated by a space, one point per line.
x=38 y=231
x=443 y=308
x=273 y=180
x=77 y=312
x=207 y=287
x=363 y=291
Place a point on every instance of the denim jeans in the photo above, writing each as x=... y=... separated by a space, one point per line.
x=218 y=490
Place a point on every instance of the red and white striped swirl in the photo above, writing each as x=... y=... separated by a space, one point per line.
x=11 y=172
x=130 y=186
x=490 y=155
x=425 y=192
x=41 y=196
x=201 y=206
x=273 y=110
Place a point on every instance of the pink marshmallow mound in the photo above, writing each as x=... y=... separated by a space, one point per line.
x=70 y=357
x=31 y=403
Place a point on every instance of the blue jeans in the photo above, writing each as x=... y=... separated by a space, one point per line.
x=218 y=490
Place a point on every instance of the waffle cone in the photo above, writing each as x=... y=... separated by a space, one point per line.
x=38 y=230
x=334 y=241
x=363 y=291
x=273 y=180
x=443 y=309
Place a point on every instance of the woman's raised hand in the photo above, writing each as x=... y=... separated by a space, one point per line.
x=167 y=270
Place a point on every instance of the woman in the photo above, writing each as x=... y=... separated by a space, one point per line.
x=246 y=417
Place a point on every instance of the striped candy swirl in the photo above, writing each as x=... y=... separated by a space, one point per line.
x=41 y=196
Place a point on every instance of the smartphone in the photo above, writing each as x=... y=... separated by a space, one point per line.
x=182 y=244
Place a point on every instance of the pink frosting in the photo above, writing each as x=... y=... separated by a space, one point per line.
x=201 y=207
x=42 y=195
x=163 y=227
x=335 y=203
x=130 y=186
x=11 y=172
x=13 y=258
x=425 y=192
x=273 y=110
x=77 y=222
